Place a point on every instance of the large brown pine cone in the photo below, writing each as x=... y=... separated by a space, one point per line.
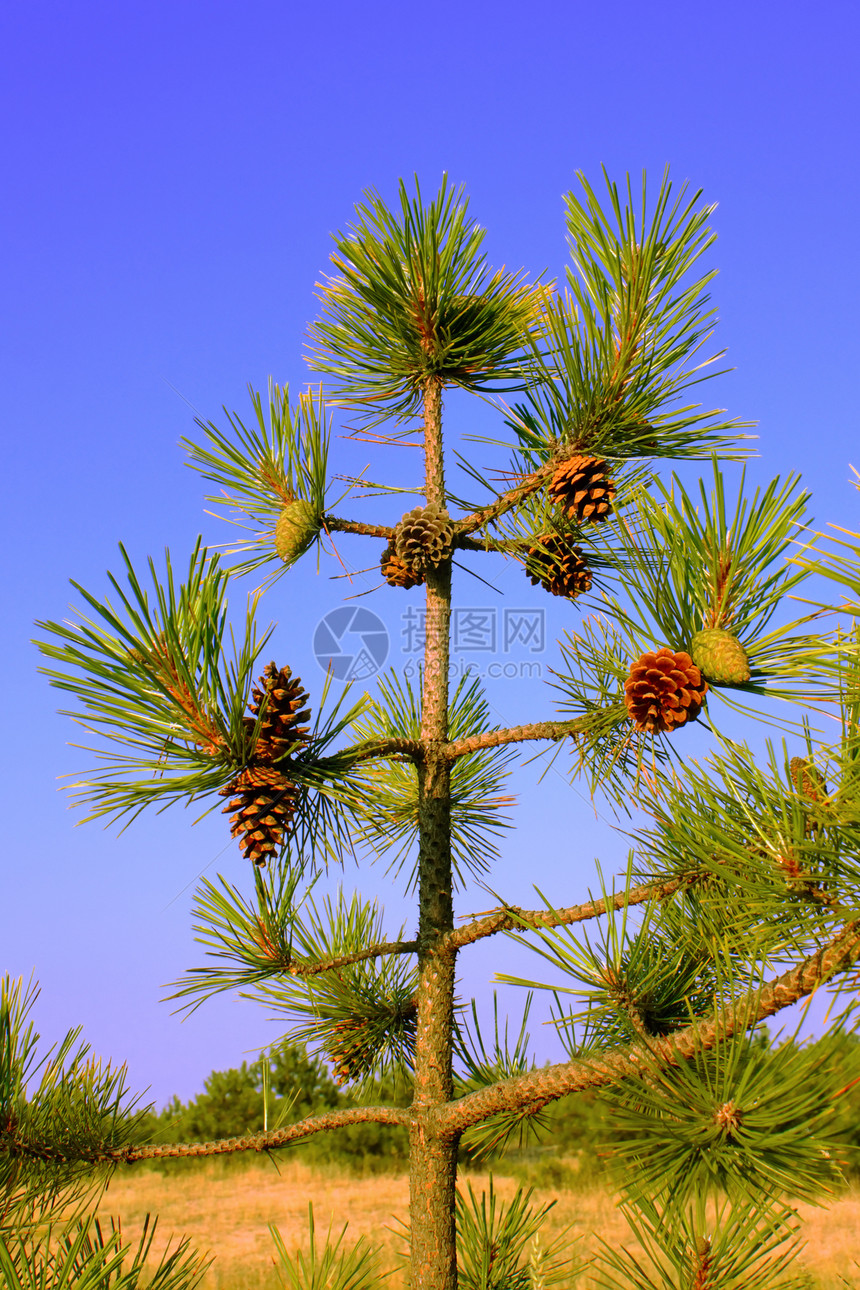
x=263 y=796
x=396 y=573
x=664 y=690
x=264 y=800
x=559 y=567
x=580 y=487
x=281 y=698
x=423 y=538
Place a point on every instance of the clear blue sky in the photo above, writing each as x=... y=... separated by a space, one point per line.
x=172 y=175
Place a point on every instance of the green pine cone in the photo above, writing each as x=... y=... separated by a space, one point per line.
x=720 y=657
x=298 y=525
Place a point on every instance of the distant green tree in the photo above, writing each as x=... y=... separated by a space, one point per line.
x=237 y=1102
x=234 y=1104
x=231 y=1106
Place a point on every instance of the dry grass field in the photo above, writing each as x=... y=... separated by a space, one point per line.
x=226 y=1212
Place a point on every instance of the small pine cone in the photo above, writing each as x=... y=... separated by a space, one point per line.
x=810 y=783
x=559 y=567
x=664 y=690
x=807 y=779
x=423 y=538
x=281 y=699
x=788 y=861
x=395 y=572
x=580 y=487
x=720 y=656
x=703 y=1265
x=264 y=801
x=348 y=1049
x=297 y=526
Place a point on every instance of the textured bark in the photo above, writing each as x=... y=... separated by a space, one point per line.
x=539 y=1087
x=508 y=500
x=433 y=1156
x=519 y=734
x=333 y=524
x=432 y=1189
x=344 y=960
x=23 y=1148
x=513 y=918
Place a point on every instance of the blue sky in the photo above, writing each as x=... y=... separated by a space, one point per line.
x=173 y=175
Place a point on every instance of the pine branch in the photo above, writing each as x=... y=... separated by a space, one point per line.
x=270 y=1141
x=518 y=734
x=344 y=960
x=551 y=1082
x=369 y=750
x=333 y=524
x=512 y=497
x=391 y=793
x=512 y=918
x=414 y=301
x=267 y=471
x=462 y=542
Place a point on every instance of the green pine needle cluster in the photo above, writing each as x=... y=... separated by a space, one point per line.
x=482 y=1066
x=499 y=1247
x=414 y=300
x=331 y=1266
x=265 y=467
x=388 y=814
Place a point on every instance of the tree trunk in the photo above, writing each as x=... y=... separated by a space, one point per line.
x=433 y=1168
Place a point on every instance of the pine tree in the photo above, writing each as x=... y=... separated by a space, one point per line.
x=739 y=898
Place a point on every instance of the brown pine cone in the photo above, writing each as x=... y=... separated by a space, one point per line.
x=264 y=801
x=395 y=572
x=559 y=567
x=423 y=538
x=281 y=699
x=580 y=487
x=664 y=690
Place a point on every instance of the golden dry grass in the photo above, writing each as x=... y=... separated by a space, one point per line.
x=226 y=1211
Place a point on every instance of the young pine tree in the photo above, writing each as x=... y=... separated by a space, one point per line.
x=740 y=897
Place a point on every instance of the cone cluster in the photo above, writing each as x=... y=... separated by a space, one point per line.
x=354 y=1042
x=263 y=796
x=664 y=690
x=558 y=566
x=297 y=526
x=423 y=538
x=348 y=1050
x=720 y=656
x=396 y=573
x=580 y=487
